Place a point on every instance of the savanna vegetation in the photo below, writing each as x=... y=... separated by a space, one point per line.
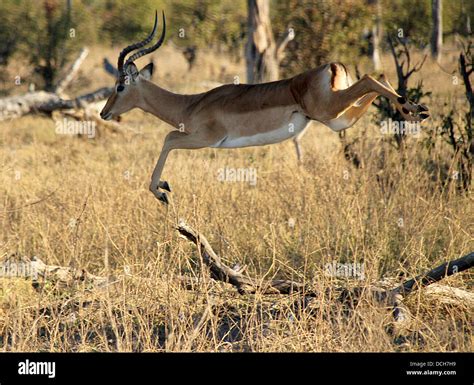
x=397 y=206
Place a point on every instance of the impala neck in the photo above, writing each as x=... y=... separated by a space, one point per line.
x=164 y=104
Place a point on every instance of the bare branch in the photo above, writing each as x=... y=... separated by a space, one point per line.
x=417 y=67
x=467 y=82
x=398 y=66
x=110 y=68
x=406 y=51
x=437 y=274
x=64 y=83
x=221 y=272
x=80 y=101
x=283 y=42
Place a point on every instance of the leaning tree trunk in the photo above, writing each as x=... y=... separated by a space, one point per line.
x=437 y=32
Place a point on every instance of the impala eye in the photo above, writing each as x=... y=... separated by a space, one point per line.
x=120 y=88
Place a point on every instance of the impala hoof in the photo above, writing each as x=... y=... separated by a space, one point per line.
x=163 y=198
x=165 y=186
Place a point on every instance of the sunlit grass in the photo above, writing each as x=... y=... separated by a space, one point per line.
x=96 y=213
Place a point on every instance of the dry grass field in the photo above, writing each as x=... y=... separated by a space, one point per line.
x=74 y=201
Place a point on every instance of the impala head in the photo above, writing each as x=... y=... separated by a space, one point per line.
x=127 y=87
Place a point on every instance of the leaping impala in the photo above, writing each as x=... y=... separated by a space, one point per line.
x=233 y=116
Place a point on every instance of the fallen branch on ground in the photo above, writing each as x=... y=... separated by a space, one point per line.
x=437 y=274
x=221 y=272
x=392 y=298
x=381 y=295
x=66 y=275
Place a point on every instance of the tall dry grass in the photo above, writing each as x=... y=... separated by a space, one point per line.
x=94 y=211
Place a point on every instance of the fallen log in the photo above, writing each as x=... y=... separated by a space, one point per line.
x=46 y=102
x=387 y=297
x=40 y=273
x=13 y=107
x=437 y=274
x=66 y=275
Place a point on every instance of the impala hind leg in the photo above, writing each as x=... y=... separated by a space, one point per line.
x=410 y=111
x=343 y=100
x=409 y=106
x=297 y=143
x=352 y=114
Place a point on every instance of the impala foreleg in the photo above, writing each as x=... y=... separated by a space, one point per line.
x=173 y=141
x=170 y=143
x=156 y=184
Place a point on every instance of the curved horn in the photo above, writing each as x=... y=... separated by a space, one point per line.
x=135 y=46
x=146 y=51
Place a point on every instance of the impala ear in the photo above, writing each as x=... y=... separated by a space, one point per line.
x=131 y=71
x=147 y=71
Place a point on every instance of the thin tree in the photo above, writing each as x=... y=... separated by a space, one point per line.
x=437 y=31
x=376 y=34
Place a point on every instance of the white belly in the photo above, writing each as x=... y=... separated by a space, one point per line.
x=287 y=130
x=339 y=124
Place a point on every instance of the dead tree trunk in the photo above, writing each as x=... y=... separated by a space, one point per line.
x=437 y=32
x=263 y=54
